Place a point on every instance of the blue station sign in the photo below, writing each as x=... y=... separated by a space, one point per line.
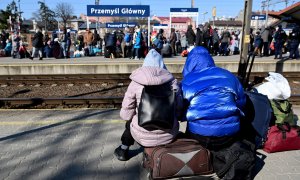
x=183 y=9
x=119 y=10
x=120 y=25
x=258 y=17
x=161 y=25
x=184 y=12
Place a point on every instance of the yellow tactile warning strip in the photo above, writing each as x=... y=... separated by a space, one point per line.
x=50 y=122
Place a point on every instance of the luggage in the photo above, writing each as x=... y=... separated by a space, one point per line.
x=283 y=111
x=282 y=137
x=166 y=51
x=157 y=107
x=257 y=120
x=236 y=161
x=107 y=53
x=86 y=51
x=181 y=158
x=57 y=52
x=158 y=43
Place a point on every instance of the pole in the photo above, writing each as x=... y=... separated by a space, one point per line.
x=245 y=38
x=19 y=27
x=148 y=32
x=267 y=13
x=170 y=24
x=214 y=13
x=58 y=28
x=19 y=18
x=45 y=17
x=11 y=26
x=87 y=23
x=197 y=20
x=97 y=23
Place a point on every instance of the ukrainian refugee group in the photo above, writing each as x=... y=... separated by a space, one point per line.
x=133 y=43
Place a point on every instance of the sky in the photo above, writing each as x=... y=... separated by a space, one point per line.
x=227 y=8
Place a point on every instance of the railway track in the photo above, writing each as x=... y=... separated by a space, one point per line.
x=103 y=102
x=98 y=78
x=65 y=79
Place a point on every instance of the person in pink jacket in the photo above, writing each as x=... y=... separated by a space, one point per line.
x=153 y=72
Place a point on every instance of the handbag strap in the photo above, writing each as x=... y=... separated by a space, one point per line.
x=297 y=128
x=181 y=141
x=288 y=108
x=228 y=164
x=283 y=130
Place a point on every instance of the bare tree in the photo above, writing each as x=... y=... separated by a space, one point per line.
x=64 y=11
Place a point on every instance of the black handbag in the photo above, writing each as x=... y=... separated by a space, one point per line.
x=157 y=107
x=235 y=162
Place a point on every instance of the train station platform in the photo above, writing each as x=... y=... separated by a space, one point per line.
x=79 y=144
x=101 y=65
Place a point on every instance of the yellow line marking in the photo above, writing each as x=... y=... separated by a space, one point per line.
x=51 y=122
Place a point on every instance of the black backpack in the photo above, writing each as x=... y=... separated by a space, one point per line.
x=157 y=107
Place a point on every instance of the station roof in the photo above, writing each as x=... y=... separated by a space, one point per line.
x=227 y=23
x=290 y=14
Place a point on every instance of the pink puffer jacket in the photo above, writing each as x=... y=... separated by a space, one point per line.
x=148 y=76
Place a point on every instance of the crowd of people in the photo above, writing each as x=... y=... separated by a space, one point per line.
x=133 y=42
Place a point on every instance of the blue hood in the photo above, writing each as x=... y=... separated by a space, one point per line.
x=215 y=97
x=198 y=60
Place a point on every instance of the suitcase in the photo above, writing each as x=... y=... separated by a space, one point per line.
x=257 y=120
x=181 y=158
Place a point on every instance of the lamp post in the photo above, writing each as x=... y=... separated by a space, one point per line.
x=34 y=24
x=267 y=13
x=204 y=16
x=214 y=14
x=97 y=24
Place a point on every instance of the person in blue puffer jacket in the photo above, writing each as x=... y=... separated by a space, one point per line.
x=137 y=43
x=214 y=100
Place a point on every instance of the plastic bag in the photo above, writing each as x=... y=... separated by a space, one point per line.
x=277 y=87
x=272 y=46
x=190 y=48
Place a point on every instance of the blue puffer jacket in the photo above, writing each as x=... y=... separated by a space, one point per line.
x=138 y=40
x=216 y=97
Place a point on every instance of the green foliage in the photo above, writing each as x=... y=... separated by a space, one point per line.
x=47 y=16
x=4 y=16
x=11 y=10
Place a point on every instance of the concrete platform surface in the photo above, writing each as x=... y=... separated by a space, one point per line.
x=79 y=144
x=101 y=65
